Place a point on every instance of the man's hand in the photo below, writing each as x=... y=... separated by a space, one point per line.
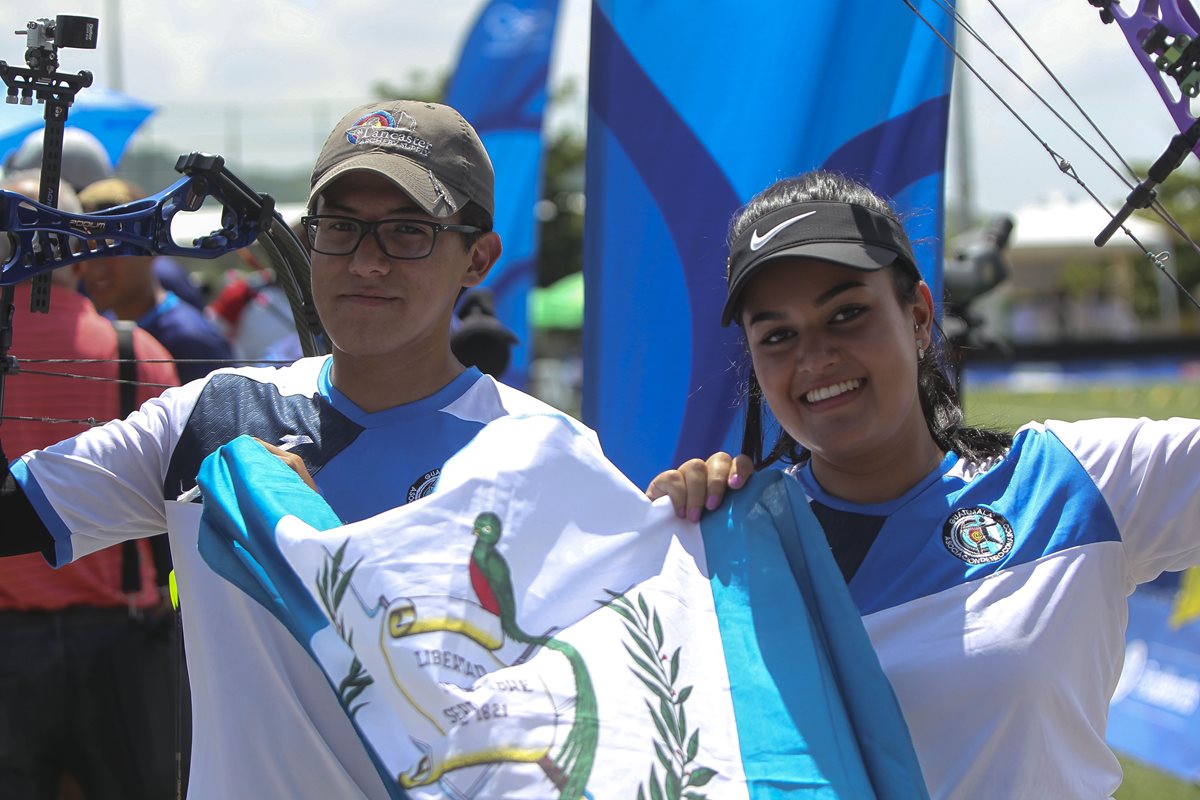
x=698 y=485
x=23 y=531
x=292 y=460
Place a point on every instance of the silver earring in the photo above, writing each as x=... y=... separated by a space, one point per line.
x=920 y=351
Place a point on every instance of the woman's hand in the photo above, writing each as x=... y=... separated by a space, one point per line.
x=698 y=485
x=292 y=460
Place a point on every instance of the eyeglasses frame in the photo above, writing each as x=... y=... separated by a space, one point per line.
x=372 y=228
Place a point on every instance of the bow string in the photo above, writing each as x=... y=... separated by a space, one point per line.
x=1163 y=37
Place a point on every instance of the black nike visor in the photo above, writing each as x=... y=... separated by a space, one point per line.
x=842 y=233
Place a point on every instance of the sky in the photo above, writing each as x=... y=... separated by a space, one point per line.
x=264 y=80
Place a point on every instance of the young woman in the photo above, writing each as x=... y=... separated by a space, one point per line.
x=991 y=571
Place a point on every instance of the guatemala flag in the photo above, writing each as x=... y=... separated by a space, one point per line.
x=694 y=107
x=538 y=628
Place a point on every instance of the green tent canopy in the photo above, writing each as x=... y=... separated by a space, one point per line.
x=559 y=305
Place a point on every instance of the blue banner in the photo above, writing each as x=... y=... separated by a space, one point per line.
x=500 y=87
x=694 y=109
x=1155 y=712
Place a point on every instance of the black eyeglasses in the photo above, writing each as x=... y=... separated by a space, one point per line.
x=397 y=238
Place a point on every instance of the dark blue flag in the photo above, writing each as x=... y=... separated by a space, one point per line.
x=692 y=110
x=500 y=87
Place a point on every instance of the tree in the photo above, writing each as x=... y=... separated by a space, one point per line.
x=562 y=206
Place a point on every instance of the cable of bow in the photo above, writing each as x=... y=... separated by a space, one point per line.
x=92 y=421
x=1163 y=33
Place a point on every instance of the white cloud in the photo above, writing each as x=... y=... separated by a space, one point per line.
x=1095 y=64
x=263 y=80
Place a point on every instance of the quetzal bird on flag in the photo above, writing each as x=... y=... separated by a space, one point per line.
x=492 y=582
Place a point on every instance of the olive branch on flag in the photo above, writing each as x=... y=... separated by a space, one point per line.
x=675 y=748
x=332 y=583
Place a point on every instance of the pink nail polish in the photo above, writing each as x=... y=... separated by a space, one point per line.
x=694 y=515
x=712 y=502
x=735 y=481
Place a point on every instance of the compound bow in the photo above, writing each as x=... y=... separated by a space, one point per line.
x=36 y=237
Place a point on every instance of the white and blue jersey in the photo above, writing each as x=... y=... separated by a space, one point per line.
x=264 y=721
x=995 y=596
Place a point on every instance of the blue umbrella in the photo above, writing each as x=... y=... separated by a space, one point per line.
x=111 y=116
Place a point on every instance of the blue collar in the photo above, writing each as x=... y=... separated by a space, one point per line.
x=170 y=301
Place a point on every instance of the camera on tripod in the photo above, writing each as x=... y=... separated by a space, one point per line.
x=43 y=37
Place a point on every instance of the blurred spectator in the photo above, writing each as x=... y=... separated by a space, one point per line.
x=478 y=338
x=125 y=287
x=86 y=651
x=1110 y=317
x=173 y=277
x=254 y=313
x=84 y=159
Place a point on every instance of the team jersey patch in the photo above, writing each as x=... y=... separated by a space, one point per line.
x=977 y=535
x=424 y=485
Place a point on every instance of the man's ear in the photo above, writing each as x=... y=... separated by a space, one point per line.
x=484 y=254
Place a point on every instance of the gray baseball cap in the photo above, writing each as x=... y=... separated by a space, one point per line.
x=427 y=149
x=84 y=159
x=843 y=233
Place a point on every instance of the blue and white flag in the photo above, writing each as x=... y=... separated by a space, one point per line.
x=500 y=86
x=538 y=628
x=693 y=109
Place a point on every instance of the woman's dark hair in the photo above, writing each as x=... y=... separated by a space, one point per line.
x=939 y=400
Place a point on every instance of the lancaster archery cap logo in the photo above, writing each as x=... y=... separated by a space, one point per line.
x=381 y=129
x=376 y=119
x=977 y=535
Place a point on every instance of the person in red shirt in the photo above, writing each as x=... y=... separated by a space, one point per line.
x=68 y=709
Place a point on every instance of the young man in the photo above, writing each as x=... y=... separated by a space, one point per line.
x=400 y=218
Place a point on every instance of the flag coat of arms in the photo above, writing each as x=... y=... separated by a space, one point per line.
x=537 y=628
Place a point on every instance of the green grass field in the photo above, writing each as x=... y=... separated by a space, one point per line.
x=1146 y=783
x=1010 y=410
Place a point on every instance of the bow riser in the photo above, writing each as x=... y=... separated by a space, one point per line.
x=42 y=238
x=1165 y=37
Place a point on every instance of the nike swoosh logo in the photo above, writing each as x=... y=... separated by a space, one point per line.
x=756 y=241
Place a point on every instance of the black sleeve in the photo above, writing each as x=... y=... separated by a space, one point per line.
x=22 y=531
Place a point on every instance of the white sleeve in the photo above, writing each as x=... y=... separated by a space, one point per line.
x=1148 y=471
x=106 y=484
